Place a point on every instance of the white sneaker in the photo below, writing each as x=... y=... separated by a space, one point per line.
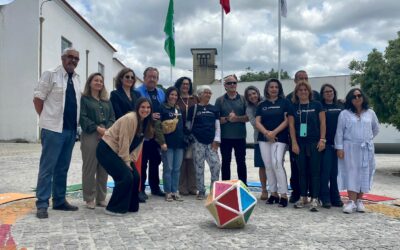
x=314 y=205
x=350 y=207
x=360 y=206
x=108 y=212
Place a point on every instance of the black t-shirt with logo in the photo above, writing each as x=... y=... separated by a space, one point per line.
x=154 y=101
x=309 y=115
x=174 y=139
x=272 y=114
x=332 y=114
x=204 y=122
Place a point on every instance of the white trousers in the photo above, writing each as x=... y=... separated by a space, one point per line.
x=272 y=155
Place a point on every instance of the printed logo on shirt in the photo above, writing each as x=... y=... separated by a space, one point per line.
x=271 y=107
x=204 y=112
x=333 y=110
x=305 y=111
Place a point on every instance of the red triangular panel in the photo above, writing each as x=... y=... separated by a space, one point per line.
x=230 y=199
x=225 y=215
x=220 y=188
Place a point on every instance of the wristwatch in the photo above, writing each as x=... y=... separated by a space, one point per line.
x=323 y=140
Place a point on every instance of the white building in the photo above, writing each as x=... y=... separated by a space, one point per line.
x=20 y=57
x=388 y=139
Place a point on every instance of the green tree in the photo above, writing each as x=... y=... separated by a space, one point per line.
x=251 y=76
x=379 y=78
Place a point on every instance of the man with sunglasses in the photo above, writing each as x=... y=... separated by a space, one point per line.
x=300 y=75
x=57 y=100
x=233 y=118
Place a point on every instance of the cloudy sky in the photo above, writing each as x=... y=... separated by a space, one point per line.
x=321 y=37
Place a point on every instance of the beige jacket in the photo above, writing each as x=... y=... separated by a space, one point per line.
x=120 y=136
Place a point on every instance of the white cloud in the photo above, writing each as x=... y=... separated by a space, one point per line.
x=319 y=36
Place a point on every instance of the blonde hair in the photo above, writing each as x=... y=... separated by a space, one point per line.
x=295 y=98
x=103 y=95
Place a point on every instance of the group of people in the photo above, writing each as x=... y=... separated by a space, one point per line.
x=136 y=129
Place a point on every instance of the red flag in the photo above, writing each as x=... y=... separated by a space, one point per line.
x=225 y=4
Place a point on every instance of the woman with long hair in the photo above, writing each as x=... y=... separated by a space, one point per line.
x=329 y=193
x=272 y=122
x=253 y=98
x=117 y=152
x=186 y=100
x=172 y=155
x=96 y=117
x=124 y=97
x=356 y=129
x=307 y=133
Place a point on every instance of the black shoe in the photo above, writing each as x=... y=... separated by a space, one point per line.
x=272 y=199
x=337 y=204
x=283 y=202
x=293 y=198
x=326 y=205
x=142 y=197
x=66 y=207
x=158 y=193
x=42 y=213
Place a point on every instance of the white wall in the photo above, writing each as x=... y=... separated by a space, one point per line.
x=19 y=50
x=19 y=29
x=59 y=22
x=388 y=133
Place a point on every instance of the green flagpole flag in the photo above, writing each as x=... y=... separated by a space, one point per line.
x=169 y=30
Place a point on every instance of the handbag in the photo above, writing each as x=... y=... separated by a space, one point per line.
x=188 y=138
x=169 y=126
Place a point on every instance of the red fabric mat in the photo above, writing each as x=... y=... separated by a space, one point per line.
x=371 y=197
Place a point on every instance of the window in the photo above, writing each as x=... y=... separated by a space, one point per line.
x=203 y=58
x=65 y=43
x=101 y=68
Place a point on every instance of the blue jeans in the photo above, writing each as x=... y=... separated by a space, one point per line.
x=172 y=161
x=329 y=171
x=53 y=167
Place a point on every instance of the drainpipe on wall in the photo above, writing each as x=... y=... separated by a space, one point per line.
x=87 y=64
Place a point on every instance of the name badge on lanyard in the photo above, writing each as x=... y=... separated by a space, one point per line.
x=303 y=130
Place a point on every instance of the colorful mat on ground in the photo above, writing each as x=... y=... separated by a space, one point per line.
x=371 y=197
x=10 y=197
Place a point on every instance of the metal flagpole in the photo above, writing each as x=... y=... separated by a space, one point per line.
x=279 y=40
x=170 y=73
x=222 y=46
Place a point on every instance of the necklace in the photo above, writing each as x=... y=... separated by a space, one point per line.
x=186 y=104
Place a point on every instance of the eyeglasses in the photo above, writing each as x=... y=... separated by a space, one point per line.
x=231 y=83
x=129 y=77
x=302 y=78
x=71 y=57
x=328 y=91
x=357 y=96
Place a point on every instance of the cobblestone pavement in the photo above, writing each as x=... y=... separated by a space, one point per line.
x=187 y=224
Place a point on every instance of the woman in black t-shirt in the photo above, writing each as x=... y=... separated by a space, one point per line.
x=207 y=134
x=329 y=193
x=271 y=122
x=172 y=155
x=307 y=132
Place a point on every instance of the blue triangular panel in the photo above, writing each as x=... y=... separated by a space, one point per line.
x=246 y=199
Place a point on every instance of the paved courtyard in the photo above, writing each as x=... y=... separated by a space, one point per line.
x=187 y=224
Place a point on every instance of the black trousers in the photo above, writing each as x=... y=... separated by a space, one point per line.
x=124 y=197
x=239 y=145
x=309 y=163
x=294 y=177
x=151 y=155
x=329 y=191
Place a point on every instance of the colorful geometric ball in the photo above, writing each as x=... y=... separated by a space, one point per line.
x=230 y=203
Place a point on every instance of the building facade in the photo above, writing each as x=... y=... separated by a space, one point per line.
x=20 y=62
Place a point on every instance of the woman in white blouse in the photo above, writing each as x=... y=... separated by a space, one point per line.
x=357 y=127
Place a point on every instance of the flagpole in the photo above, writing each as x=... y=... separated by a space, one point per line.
x=222 y=45
x=279 y=40
x=170 y=73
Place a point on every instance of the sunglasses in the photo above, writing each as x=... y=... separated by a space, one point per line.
x=231 y=83
x=357 y=96
x=71 y=57
x=129 y=77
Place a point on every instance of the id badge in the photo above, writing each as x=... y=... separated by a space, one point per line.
x=303 y=129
